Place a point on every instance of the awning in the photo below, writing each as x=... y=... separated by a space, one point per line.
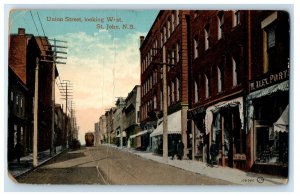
x=123 y=134
x=238 y=102
x=174 y=125
x=282 y=124
x=139 y=134
x=283 y=86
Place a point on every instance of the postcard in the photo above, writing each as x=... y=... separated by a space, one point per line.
x=148 y=97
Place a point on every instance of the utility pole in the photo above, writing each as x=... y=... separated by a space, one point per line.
x=35 y=115
x=165 y=108
x=53 y=60
x=66 y=92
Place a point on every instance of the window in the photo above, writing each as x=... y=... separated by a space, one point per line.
x=173 y=92
x=206 y=37
x=21 y=102
x=178 y=89
x=221 y=24
x=173 y=56
x=173 y=21
x=155 y=102
x=165 y=34
x=270 y=32
x=235 y=72
x=177 y=17
x=161 y=100
x=236 y=18
x=196 y=91
x=196 y=44
x=169 y=28
x=207 y=86
x=17 y=99
x=169 y=95
x=161 y=39
x=12 y=96
x=177 y=52
x=220 y=79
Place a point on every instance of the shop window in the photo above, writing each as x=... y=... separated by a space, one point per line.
x=206 y=37
x=220 y=25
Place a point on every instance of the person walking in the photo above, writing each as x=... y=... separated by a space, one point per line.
x=213 y=153
x=173 y=149
x=180 y=148
x=18 y=151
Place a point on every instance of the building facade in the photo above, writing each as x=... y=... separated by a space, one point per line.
x=169 y=30
x=131 y=113
x=103 y=131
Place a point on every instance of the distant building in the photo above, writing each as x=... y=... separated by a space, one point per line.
x=97 y=133
x=131 y=114
x=102 y=129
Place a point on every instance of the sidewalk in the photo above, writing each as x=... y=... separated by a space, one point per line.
x=235 y=176
x=25 y=166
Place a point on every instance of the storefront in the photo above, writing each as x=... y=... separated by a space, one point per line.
x=174 y=132
x=225 y=126
x=268 y=118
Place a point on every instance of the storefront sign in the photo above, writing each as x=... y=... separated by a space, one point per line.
x=269 y=80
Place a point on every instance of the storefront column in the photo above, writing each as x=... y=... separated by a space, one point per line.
x=193 y=140
x=184 y=129
x=223 y=142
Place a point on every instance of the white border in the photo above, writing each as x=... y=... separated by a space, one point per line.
x=159 y=4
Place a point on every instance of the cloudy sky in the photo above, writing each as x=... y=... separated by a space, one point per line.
x=102 y=63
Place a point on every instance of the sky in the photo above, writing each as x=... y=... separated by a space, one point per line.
x=102 y=63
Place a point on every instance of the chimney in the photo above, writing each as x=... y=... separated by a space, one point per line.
x=142 y=38
x=21 y=31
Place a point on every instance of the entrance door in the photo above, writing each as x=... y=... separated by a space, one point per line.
x=261 y=141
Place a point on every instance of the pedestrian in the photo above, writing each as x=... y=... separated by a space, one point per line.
x=173 y=149
x=180 y=148
x=18 y=151
x=213 y=153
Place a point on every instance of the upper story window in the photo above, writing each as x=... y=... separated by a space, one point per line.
x=220 y=78
x=235 y=72
x=169 y=28
x=12 y=96
x=177 y=52
x=236 y=18
x=220 y=25
x=270 y=40
x=172 y=92
x=155 y=102
x=196 y=91
x=196 y=46
x=206 y=37
x=173 y=21
x=161 y=39
x=165 y=34
x=177 y=17
x=207 y=86
x=178 y=89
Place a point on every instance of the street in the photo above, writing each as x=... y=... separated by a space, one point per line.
x=108 y=165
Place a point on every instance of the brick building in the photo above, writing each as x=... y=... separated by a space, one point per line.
x=170 y=30
x=25 y=51
x=218 y=79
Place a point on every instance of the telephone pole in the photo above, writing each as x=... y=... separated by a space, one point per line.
x=66 y=91
x=35 y=115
